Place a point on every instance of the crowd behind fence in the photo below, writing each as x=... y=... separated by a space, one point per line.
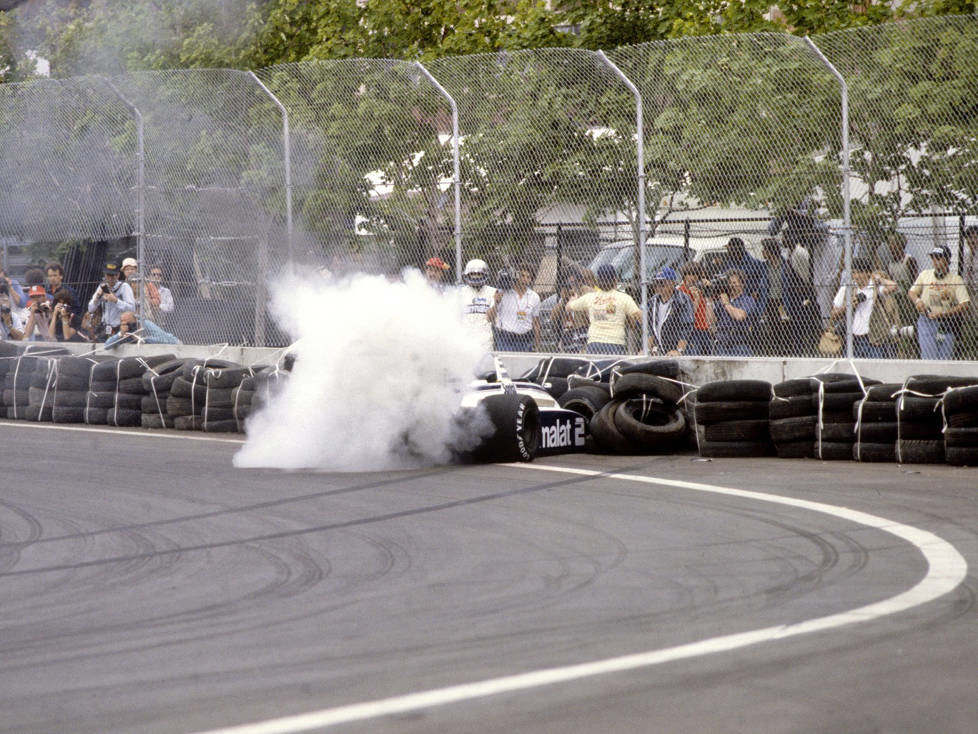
x=833 y=145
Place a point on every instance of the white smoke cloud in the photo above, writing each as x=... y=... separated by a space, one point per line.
x=377 y=381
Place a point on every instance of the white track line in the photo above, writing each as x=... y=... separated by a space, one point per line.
x=139 y=432
x=946 y=569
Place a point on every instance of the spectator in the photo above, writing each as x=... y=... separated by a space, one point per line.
x=969 y=271
x=113 y=298
x=785 y=320
x=939 y=296
x=166 y=304
x=130 y=266
x=56 y=282
x=129 y=332
x=39 y=314
x=671 y=316
x=65 y=324
x=704 y=317
x=12 y=287
x=516 y=312
x=734 y=316
x=12 y=320
x=571 y=326
x=477 y=298
x=867 y=296
x=609 y=311
x=434 y=271
x=753 y=272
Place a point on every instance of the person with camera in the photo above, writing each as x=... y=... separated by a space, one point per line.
x=65 y=325
x=941 y=299
x=516 y=312
x=671 y=316
x=113 y=298
x=867 y=294
x=56 y=282
x=131 y=331
x=11 y=287
x=12 y=320
x=702 y=336
x=38 y=314
x=735 y=314
x=610 y=311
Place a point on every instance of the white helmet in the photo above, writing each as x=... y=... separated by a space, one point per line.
x=476 y=272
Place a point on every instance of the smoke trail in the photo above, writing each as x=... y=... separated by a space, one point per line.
x=377 y=381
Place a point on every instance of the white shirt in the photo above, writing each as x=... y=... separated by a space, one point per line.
x=862 y=311
x=166 y=299
x=516 y=313
x=476 y=303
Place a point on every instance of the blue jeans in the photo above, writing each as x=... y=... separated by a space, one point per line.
x=862 y=348
x=510 y=341
x=604 y=348
x=700 y=343
x=932 y=346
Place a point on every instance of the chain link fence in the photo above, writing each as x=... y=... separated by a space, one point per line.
x=532 y=158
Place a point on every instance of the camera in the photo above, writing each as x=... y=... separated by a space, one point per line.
x=901 y=332
x=44 y=306
x=4 y=289
x=105 y=288
x=506 y=279
x=713 y=288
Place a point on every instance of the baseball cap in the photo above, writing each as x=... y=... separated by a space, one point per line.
x=111 y=268
x=130 y=261
x=436 y=262
x=37 y=290
x=666 y=273
x=941 y=251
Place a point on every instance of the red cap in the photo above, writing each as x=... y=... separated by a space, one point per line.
x=37 y=290
x=436 y=262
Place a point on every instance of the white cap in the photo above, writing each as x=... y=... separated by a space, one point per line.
x=130 y=261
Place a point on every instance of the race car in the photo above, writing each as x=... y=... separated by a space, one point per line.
x=527 y=420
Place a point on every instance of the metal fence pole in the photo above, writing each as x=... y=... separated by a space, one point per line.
x=287 y=160
x=140 y=189
x=456 y=169
x=846 y=195
x=640 y=155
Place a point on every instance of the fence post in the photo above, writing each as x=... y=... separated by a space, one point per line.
x=846 y=196
x=640 y=155
x=287 y=160
x=140 y=186
x=456 y=169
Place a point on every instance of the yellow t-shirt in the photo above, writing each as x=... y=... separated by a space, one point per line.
x=607 y=311
x=940 y=295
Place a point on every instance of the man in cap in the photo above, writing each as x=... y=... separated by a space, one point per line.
x=434 y=271
x=610 y=311
x=969 y=271
x=670 y=315
x=39 y=310
x=113 y=297
x=940 y=298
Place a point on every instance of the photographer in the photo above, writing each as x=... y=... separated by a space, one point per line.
x=866 y=296
x=130 y=332
x=704 y=319
x=516 y=312
x=734 y=315
x=9 y=286
x=114 y=298
x=66 y=325
x=39 y=315
x=12 y=320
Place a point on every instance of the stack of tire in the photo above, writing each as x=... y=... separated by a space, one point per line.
x=157 y=382
x=731 y=418
x=642 y=414
x=835 y=395
x=22 y=374
x=116 y=390
x=793 y=418
x=920 y=419
x=201 y=397
x=59 y=389
x=255 y=391
x=961 y=436
x=876 y=426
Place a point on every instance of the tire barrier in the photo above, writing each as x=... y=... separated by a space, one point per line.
x=876 y=423
x=833 y=397
x=920 y=418
x=732 y=418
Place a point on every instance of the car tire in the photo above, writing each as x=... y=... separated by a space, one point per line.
x=586 y=400
x=726 y=390
x=878 y=452
x=649 y=427
x=607 y=437
x=730 y=411
x=913 y=451
x=637 y=384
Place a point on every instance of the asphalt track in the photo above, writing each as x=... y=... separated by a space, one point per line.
x=147 y=586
